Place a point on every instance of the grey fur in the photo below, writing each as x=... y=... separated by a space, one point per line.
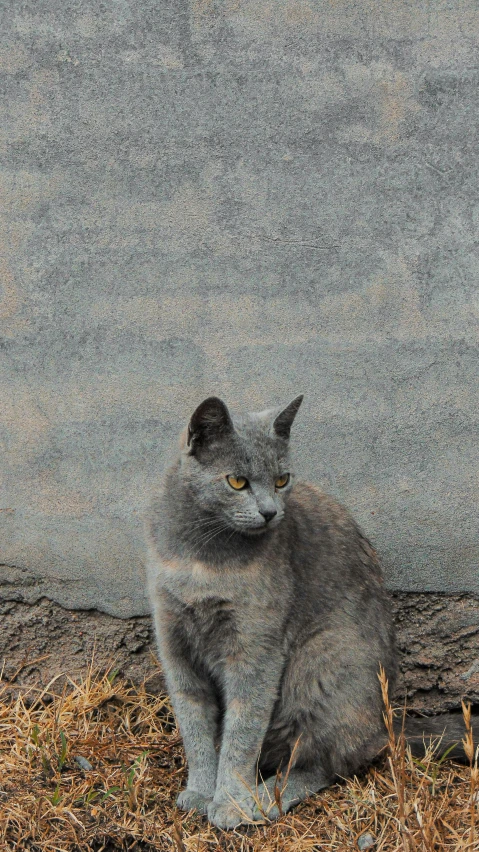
x=271 y=634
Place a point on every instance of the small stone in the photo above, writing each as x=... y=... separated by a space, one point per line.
x=366 y=841
x=83 y=763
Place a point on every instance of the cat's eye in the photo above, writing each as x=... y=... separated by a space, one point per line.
x=237 y=482
x=281 y=481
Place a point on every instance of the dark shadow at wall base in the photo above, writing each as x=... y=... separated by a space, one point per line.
x=438 y=637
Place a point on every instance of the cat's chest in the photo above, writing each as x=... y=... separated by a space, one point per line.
x=194 y=583
x=221 y=613
x=212 y=630
x=212 y=610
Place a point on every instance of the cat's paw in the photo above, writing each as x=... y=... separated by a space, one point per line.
x=229 y=814
x=265 y=806
x=191 y=800
x=266 y=813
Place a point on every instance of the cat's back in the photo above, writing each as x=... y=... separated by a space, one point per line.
x=309 y=502
x=324 y=537
x=338 y=579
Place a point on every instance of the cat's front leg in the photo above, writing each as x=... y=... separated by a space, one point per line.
x=196 y=712
x=252 y=684
x=197 y=716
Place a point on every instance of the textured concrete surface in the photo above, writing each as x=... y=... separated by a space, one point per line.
x=245 y=198
x=437 y=636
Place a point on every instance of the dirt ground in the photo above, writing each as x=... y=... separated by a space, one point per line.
x=438 y=638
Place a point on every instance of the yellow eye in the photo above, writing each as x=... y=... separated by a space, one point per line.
x=237 y=482
x=282 y=480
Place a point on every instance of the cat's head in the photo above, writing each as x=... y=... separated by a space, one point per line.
x=237 y=468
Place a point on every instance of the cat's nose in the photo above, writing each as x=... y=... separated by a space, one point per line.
x=268 y=514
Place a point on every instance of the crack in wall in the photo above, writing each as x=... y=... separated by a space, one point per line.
x=18 y=583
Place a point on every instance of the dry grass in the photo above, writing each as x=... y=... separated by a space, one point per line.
x=126 y=799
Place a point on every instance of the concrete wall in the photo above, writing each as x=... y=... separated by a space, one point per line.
x=252 y=199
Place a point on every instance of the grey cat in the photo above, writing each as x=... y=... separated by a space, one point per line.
x=271 y=619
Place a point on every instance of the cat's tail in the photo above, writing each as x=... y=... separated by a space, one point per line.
x=448 y=731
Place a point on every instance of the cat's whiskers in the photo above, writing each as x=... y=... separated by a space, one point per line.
x=204 y=522
x=207 y=533
x=203 y=540
x=207 y=528
x=231 y=535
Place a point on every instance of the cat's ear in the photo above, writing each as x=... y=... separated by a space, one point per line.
x=210 y=421
x=284 y=420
